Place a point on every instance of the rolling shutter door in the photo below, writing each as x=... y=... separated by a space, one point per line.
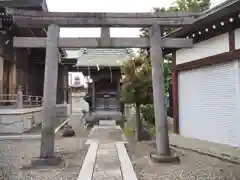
x=208 y=103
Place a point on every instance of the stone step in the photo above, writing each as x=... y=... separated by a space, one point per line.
x=107 y=123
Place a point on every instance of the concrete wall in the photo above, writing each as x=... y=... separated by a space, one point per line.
x=130 y=115
x=237 y=38
x=78 y=103
x=22 y=120
x=63 y=112
x=19 y=120
x=213 y=46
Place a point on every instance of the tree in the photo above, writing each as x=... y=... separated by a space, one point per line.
x=137 y=86
x=167 y=73
x=137 y=79
x=190 y=5
x=178 y=5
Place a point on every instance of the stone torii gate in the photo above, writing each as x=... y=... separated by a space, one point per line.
x=54 y=20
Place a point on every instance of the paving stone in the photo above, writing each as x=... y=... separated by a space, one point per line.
x=107 y=166
x=107 y=134
x=222 y=151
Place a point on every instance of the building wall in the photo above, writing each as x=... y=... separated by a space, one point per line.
x=21 y=59
x=237 y=38
x=208 y=93
x=29 y=75
x=18 y=69
x=210 y=47
x=6 y=63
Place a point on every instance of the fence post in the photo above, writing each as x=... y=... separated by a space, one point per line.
x=30 y=101
x=19 y=99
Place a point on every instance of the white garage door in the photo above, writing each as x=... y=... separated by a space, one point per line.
x=209 y=103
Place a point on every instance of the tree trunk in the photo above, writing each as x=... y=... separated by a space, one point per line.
x=138 y=123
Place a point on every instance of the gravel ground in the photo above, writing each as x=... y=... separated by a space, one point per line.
x=15 y=154
x=192 y=166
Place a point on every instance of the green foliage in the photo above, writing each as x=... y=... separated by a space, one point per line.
x=128 y=131
x=167 y=74
x=152 y=130
x=136 y=81
x=148 y=113
x=190 y=5
x=178 y=5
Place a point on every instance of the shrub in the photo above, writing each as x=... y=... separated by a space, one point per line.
x=128 y=131
x=148 y=113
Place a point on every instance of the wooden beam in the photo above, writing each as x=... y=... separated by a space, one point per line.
x=209 y=61
x=67 y=19
x=38 y=42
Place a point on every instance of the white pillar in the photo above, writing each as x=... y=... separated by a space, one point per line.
x=157 y=61
x=50 y=92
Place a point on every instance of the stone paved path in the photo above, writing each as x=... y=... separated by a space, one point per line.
x=107 y=164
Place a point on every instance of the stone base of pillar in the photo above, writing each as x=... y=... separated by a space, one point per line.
x=51 y=161
x=157 y=157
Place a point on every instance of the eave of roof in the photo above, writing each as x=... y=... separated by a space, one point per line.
x=24 y=4
x=217 y=12
x=99 y=57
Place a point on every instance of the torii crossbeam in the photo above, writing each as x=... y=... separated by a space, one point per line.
x=71 y=19
x=55 y=20
x=39 y=42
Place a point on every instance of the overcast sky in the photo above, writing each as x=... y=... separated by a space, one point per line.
x=106 y=6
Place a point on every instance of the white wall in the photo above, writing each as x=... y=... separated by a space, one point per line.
x=237 y=38
x=216 y=45
x=209 y=103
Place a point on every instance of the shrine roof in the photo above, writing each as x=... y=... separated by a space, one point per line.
x=100 y=57
x=209 y=16
x=40 y=5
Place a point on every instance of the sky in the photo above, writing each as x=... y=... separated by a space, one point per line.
x=106 y=6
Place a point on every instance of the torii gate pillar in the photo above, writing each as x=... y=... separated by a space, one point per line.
x=162 y=141
x=47 y=156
